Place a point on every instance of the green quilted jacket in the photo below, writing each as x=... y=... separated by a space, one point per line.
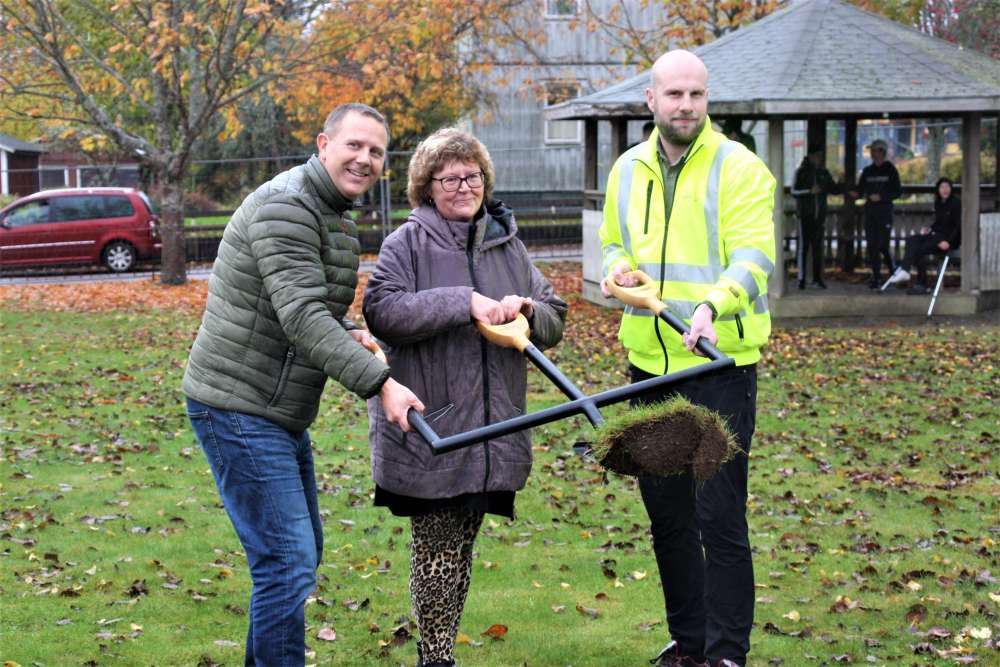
x=274 y=326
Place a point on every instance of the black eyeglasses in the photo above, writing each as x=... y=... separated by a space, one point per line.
x=453 y=183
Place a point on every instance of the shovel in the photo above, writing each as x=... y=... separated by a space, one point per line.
x=581 y=405
x=514 y=334
x=644 y=295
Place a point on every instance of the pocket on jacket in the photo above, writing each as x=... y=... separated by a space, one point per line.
x=408 y=447
x=432 y=416
x=286 y=369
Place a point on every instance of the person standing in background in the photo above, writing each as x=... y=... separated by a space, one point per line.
x=879 y=186
x=812 y=184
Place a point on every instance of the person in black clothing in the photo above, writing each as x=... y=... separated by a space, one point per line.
x=879 y=185
x=812 y=184
x=733 y=128
x=944 y=235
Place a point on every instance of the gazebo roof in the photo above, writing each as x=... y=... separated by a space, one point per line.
x=821 y=57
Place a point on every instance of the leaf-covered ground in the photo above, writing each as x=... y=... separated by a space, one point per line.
x=874 y=515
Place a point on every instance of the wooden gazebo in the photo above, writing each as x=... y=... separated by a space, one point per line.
x=820 y=60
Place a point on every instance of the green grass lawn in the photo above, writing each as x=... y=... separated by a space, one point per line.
x=874 y=511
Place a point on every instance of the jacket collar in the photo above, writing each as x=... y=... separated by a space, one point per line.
x=327 y=191
x=494 y=224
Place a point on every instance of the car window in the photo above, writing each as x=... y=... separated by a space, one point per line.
x=32 y=213
x=67 y=209
x=117 y=206
x=150 y=206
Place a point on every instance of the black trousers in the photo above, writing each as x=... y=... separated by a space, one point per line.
x=700 y=533
x=918 y=247
x=878 y=227
x=811 y=243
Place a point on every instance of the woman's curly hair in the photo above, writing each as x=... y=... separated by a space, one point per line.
x=447 y=145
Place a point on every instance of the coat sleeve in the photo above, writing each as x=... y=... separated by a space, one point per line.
x=393 y=308
x=895 y=187
x=285 y=240
x=746 y=234
x=549 y=313
x=862 y=186
x=955 y=238
x=612 y=240
x=800 y=187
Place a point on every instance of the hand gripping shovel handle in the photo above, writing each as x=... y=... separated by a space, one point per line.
x=644 y=295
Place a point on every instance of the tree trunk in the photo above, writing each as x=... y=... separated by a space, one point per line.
x=173 y=260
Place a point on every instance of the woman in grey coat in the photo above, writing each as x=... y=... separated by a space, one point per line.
x=455 y=261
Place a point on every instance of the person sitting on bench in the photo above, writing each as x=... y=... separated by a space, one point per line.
x=944 y=235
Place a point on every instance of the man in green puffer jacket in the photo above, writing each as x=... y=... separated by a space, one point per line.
x=274 y=329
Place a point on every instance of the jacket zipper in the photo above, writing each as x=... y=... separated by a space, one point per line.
x=739 y=326
x=649 y=197
x=286 y=369
x=663 y=266
x=483 y=355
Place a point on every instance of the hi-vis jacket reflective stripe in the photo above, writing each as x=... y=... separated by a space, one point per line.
x=718 y=246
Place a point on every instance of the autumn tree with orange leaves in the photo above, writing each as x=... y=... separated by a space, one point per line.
x=426 y=64
x=973 y=24
x=147 y=76
x=680 y=24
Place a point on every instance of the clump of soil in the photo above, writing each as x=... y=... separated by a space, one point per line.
x=669 y=438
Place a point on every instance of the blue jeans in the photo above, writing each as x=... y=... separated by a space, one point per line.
x=265 y=477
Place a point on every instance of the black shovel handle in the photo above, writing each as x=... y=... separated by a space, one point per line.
x=560 y=380
x=677 y=324
x=578 y=405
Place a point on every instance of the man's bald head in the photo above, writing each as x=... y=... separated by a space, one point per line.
x=678 y=98
x=676 y=63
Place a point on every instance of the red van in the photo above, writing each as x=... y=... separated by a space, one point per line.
x=115 y=227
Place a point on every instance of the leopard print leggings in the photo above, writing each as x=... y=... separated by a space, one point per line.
x=440 y=571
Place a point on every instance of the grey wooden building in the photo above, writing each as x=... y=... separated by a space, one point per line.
x=537 y=159
x=818 y=61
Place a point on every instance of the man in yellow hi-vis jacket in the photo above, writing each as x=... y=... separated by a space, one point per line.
x=694 y=211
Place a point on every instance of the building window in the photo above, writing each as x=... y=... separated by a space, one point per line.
x=562 y=131
x=561 y=8
x=52 y=177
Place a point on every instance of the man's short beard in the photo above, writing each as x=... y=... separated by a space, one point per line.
x=677 y=138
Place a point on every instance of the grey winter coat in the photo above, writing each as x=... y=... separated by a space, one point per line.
x=274 y=326
x=417 y=303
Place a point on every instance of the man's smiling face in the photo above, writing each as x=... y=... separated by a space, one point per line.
x=354 y=153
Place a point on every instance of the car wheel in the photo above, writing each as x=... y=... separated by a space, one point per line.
x=119 y=256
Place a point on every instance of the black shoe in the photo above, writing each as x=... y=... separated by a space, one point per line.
x=671 y=656
x=802 y=284
x=917 y=289
x=819 y=283
x=874 y=285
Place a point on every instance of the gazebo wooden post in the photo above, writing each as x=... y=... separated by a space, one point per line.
x=848 y=248
x=589 y=160
x=996 y=167
x=619 y=137
x=816 y=136
x=971 y=146
x=776 y=162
